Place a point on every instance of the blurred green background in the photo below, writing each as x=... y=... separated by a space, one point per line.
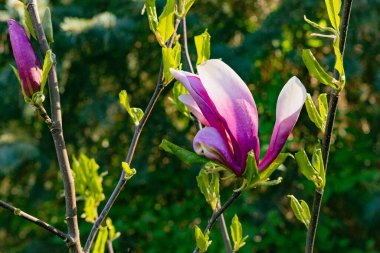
x=105 y=46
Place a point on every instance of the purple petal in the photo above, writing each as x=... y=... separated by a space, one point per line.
x=28 y=65
x=211 y=144
x=194 y=108
x=235 y=104
x=289 y=105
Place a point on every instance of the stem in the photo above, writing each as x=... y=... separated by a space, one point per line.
x=224 y=232
x=110 y=246
x=57 y=134
x=185 y=48
x=41 y=223
x=132 y=148
x=217 y=214
x=326 y=142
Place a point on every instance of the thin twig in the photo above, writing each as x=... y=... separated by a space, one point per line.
x=224 y=232
x=110 y=246
x=57 y=134
x=326 y=142
x=217 y=214
x=132 y=148
x=185 y=47
x=43 y=224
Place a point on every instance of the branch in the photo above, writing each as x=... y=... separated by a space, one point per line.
x=35 y=220
x=217 y=214
x=57 y=134
x=132 y=148
x=326 y=142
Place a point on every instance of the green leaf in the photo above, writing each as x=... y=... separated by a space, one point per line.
x=101 y=240
x=333 y=9
x=209 y=189
x=47 y=25
x=135 y=113
x=202 y=240
x=202 y=44
x=339 y=62
x=178 y=90
x=267 y=183
x=88 y=185
x=314 y=115
x=129 y=173
x=323 y=106
x=29 y=24
x=251 y=172
x=48 y=63
x=151 y=11
x=183 y=154
x=165 y=26
x=318 y=165
x=304 y=165
x=188 y=4
x=300 y=210
x=280 y=159
x=237 y=233
x=319 y=27
x=15 y=72
x=316 y=70
x=171 y=58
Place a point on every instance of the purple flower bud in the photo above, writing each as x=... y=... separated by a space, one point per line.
x=28 y=65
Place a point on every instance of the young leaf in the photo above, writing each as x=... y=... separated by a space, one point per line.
x=183 y=154
x=202 y=44
x=313 y=114
x=29 y=24
x=209 y=189
x=129 y=173
x=319 y=27
x=339 y=62
x=165 y=25
x=202 y=240
x=300 y=210
x=323 y=106
x=188 y=4
x=317 y=162
x=333 y=9
x=101 y=240
x=171 y=58
x=135 y=113
x=251 y=172
x=316 y=70
x=178 y=90
x=151 y=11
x=237 y=233
x=48 y=63
x=304 y=164
x=280 y=159
x=47 y=25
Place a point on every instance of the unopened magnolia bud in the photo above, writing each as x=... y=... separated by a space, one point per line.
x=28 y=64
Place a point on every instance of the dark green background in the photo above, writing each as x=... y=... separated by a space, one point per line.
x=262 y=41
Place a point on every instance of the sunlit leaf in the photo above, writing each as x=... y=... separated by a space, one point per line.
x=237 y=233
x=178 y=90
x=333 y=9
x=300 y=210
x=48 y=63
x=135 y=113
x=319 y=27
x=202 y=44
x=202 y=240
x=47 y=25
x=183 y=154
x=101 y=240
x=323 y=106
x=171 y=59
x=209 y=188
x=129 y=173
x=280 y=159
x=29 y=24
x=165 y=25
x=313 y=113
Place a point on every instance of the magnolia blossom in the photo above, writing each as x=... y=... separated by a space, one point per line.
x=222 y=102
x=28 y=64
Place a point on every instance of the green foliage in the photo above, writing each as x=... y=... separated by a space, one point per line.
x=48 y=26
x=28 y=23
x=202 y=44
x=319 y=27
x=237 y=234
x=48 y=63
x=317 y=117
x=88 y=185
x=202 y=241
x=129 y=173
x=135 y=113
x=165 y=27
x=178 y=90
x=101 y=240
x=209 y=187
x=183 y=154
x=314 y=171
x=333 y=9
x=300 y=210
x=171 y=58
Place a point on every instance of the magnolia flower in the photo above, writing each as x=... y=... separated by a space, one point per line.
x=28 y=65
x=222 y=102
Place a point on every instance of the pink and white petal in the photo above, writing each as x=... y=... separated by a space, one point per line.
x=234 y=103
x=211 y=144
x=194 y=108
x=289 y=105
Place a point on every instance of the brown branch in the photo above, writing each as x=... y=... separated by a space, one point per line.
x=57 y=134
x=41 y=223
